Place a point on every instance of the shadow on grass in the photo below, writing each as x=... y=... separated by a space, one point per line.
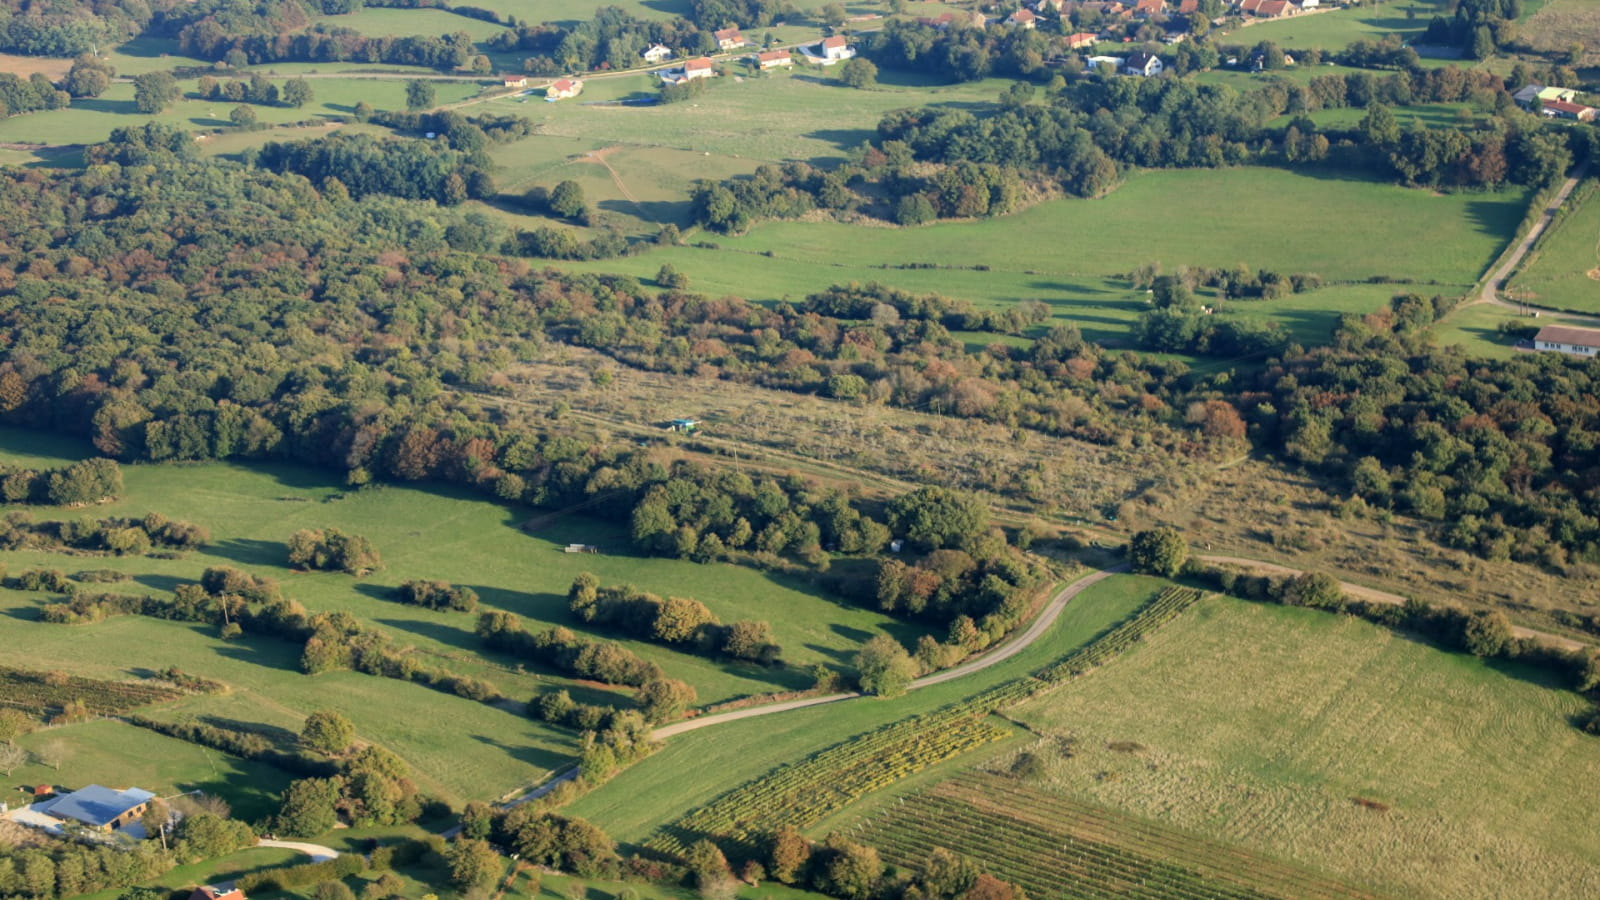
x=282 y=738
x=28 y=613
x=258 y=653
x=251 y=550
x=168 y=583
x=533 y=756
x=658 y=212
x=460 y=638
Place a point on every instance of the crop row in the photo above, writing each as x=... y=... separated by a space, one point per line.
x=41 y=693
x=1046 y=861
x=806 y=792
x=1005 y=796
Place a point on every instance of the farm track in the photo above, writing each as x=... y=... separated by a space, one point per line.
x=1496 y=282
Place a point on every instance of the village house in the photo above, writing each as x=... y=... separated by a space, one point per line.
x=773 y=59
x=1267 y=9
x=208 y=892
x=1023 y=18
x=516 y=81
x=729 y=39
x=657 y=53
x=96 y=807
x=1145 y=64
x=1144 y=9
x=1561 y=109
x=836 y=48
x=1568 y=340
x=563 y=88
x=1188 y=7
x=1082 y=39
x=697 y=68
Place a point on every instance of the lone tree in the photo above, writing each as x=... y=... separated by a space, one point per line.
x=1486 y=633
x=1159 y=551
x=14 y=723
x=243 y=118
x=567 y=200
x=858 y=73
x=1318 y=590
x=326 y=731
x=883 y=667
x=154 y=91
x=296 y=92
x=472 y=863
x=419 y=94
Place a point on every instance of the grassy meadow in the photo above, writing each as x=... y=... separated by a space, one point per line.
x=697 y=766
x=1563 y=269
x=90 y=120
x=1338 y=28
x=1260 y=726
x=461 y=749
x=387 y=22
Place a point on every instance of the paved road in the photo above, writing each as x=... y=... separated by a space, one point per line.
x=317 y=852
x=1376 y=596
x=1497 y=281
x=1000 y=654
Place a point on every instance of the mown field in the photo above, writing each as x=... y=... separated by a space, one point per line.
x=1563 y=269
x=119 y=755
x=382 y=22
x=1262 y=726
x=1073 y=253
x=93 y=119
x=700 y=765
x=1338 y=28
x=461 y=748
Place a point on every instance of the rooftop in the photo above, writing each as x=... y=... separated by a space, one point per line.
x=96 y=805
x=1566 y=334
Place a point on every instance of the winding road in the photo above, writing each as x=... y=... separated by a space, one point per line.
x=1497 y=281
x=1041 y=624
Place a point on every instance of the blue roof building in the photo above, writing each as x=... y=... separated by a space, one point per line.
x=99 y=807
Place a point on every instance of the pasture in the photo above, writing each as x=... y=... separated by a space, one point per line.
x=113 y=753
x=1335 y=744
x=1563 y=269
x=90 y=120
x=387 y=22
x=700 y=765
x=1477 y=329
x=1558 y=25
x=1337 y=28
x=1073 y=253
x=460 y=748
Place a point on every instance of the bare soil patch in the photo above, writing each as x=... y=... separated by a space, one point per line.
x=52 y=67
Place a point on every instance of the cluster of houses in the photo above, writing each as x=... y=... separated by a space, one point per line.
x=1553 y=102
x=560 y=89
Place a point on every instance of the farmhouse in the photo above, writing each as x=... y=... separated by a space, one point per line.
x=563 y=88
x=773 y=59
x=729 y=39
x=207 y=892
x=1188 y=7
x=1145 y=64
x=516 y=81
x=697 y=68
x=1532 y=96
x=1275 y=9
x=657 y=53
x=1147 y=8
x=1569 y=340
x=1023 y=18
x=1082 y=39
x=836 y=47
x=1561 y=109
x=100 y=808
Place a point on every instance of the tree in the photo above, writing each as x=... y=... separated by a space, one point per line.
x=14 y=723
x=1159 y=551
x=154 y=91
x=327 y=731
x=155 y=819
x=884 y=668
x=12 y=757
x=308 y=807
x=833 y=15
x=477 y=819
x=849 y=870
x=88 y=77
x=243 y=118
x=665 y=699
x=1379 y=127
x=1318 y=590
x=296 y=92
x=419 y=94
x=53 y=754
x=473 y=863
x=1487 y=633
x=567 y=200
x=670 y=278
x=788 y=851
x=707 y=864
x=858 y=73
x=332 y=890
x=937 y=517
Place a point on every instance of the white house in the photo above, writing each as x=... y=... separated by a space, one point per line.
x=728 y=39
x=516 y=81
x=1100 y=62
x=1146 y=64
x=563 y=88
x=773 y=59
x=657 y=53
x=697 y=68
x=836 y=47
x=1023 y=18
x=1569 y=340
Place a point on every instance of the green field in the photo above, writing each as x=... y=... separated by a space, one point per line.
x=460 y=748
x=1477 y=328
x=697 y=766
x=1563 y=269
x=1259 y=726
x=1430 y=115
x=1339 y=28
x=112 y=753
x=93 y=119
x=386 y=22
x=1071 y=253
